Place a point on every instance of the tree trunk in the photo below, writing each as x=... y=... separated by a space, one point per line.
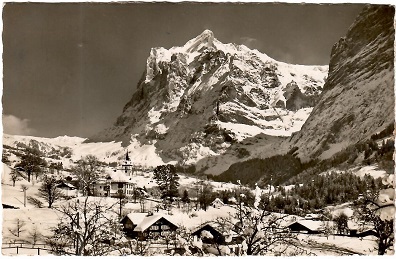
x=381 y=247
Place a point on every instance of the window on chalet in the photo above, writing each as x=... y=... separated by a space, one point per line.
x=154 y=227
x=129 y=225
x=164 y=227
x=120 y=185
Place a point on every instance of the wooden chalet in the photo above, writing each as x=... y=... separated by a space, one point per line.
x=145 y=226
x=67 y=189
x=215 y=237
x=215 y=231
x=307 y=226
x=217 y=203
x=355 y=230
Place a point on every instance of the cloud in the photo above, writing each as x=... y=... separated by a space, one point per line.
x=16 y=126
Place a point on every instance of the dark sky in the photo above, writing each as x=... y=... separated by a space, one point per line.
x=70 y=68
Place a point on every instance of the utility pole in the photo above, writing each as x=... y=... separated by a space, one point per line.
x=120 y=196
x=24 y=188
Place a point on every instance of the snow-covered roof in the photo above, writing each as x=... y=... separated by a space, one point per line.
x=217 y=200
x=313 y=225
x=352 y=225
x=119 y=176
x=144 y=221
x=64 y=184
x=213 y=225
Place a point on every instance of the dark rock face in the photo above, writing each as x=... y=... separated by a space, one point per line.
x=358 y=96
x=207 y=83
x=295 y=99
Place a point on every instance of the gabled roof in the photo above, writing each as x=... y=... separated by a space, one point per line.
x=312 y=225
x=360 y=228
x=217 y=227
x=212 y=225
x=119 y=177
x=144 y=221
x=217 y=200
x=64 y=184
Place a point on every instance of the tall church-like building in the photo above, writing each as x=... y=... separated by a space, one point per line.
x=127 y=166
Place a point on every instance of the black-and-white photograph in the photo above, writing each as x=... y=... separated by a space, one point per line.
x=198 y=129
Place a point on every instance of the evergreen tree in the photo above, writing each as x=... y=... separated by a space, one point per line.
x=31 y=161
x=185 y=197
x=167 y=180
x=341 y=222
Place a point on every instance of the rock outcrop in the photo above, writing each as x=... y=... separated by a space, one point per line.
x=358 y=97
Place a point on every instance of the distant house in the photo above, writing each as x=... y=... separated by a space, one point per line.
x=66 y=186
x=368 y=232
x=215 y=238
x=358 y=231
x=67 y=189
x=312 y=216
x=307 y=226
x=217 y=203
x=115 y=183
x=147 y=225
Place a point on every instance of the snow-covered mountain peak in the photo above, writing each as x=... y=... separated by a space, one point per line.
x=199 y=43
x=198 y=98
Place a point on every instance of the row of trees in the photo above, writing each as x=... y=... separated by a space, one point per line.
x=322 y=190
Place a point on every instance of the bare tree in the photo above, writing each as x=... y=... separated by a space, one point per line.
x=49 y=191
x=14 y=177
x=265 y=232
x=18 y=229
x=87 y=171
x=377 y=211
x=34 y=236
x=134 y=247
x=185 y=240
x=86 y=228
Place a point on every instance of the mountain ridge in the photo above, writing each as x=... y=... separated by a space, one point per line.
x=205 y=95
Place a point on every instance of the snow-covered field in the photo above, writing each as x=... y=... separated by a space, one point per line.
x=361 y=171
x=44 y=218
x=340 y=245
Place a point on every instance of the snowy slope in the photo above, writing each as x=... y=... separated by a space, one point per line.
x=141 y=155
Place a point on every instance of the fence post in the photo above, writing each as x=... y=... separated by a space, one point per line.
x=17 y=250
x=38 y=250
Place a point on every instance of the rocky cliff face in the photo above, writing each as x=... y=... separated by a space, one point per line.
x=358 y=97
x=196 y=100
